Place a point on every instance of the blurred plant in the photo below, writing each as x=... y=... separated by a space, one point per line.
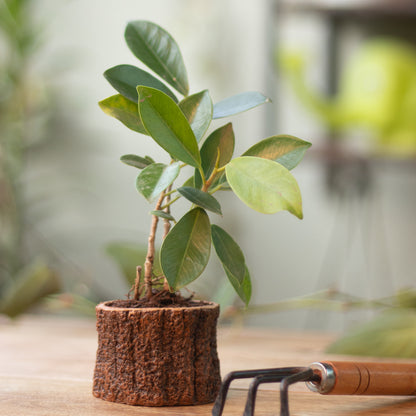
x=23 y=119
x=392 y=333
x=377 y=92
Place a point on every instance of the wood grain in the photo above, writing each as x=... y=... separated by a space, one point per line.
x=46 y=367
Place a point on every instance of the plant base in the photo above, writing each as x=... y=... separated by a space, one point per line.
x=157 y=356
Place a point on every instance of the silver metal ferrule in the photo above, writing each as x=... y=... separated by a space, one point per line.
x=327 y=374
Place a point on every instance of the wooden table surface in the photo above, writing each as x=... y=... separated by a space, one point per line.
x=46 y=366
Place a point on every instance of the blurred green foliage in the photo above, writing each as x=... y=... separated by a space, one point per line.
x=24 y=111
x=392 y=333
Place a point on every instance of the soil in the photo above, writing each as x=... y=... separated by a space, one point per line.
x=160 y=299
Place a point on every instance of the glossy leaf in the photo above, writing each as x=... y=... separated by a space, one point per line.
x=156 y=48
x=229 y=253
x=242 y=289
x=198 y=110
x=168 y=126
x=155 y=178
x=123 y=110
x=185 y=250
x=163 y=214
x=126 y=78
x=200 y=198
x=284 y=149
x=391 y=334
x=264 y=185
x=222 y=141
x=239 y=103
x=136 y=161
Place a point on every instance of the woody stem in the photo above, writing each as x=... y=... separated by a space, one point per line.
x=148 y=265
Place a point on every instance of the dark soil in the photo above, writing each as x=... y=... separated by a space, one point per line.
x=160 y=299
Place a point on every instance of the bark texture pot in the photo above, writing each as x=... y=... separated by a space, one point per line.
x=157 y=356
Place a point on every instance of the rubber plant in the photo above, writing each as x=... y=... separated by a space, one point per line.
x=158 y=332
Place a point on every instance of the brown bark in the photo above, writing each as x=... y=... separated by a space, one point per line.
x=157 y=356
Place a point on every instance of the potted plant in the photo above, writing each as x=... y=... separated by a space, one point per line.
x=158 y=348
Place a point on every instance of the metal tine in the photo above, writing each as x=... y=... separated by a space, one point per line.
x=219 y=404
x=307 y=375
x=270 y=378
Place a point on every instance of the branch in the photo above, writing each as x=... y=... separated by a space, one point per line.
x=148 y=265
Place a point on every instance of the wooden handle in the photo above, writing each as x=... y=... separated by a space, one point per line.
x=372 y=378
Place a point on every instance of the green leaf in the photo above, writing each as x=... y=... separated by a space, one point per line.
x=264 y=185
x=123 y=110
x=198 y=110
x=185 y=250
x=126 y=78
x=189 y=182
x=391 y=334
x=221 y=140
x=168 y=126
x=242 y=289
x=239 y=103
x=136 y=161
x=284 y=149
x=155 y=178
x=229 y=253
x=163 y=214
x=159 y=51
x=200 y=198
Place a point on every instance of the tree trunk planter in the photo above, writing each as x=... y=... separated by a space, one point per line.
x=158 y=356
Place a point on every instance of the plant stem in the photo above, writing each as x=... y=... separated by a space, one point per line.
x=168 y=204
x=150 y=256
x=211 y=178
x=214 y=172
x=167 y=210
x=167 y=228
x=137 y=291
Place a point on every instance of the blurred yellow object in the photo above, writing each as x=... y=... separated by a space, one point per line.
x=377 y=91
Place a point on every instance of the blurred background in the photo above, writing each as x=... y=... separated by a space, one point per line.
x=341 y=74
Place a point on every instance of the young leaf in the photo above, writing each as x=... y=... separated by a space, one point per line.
x=239 y=103
x=264 y=185
x=285 y=149
x=198 y=110
x=200 y=198
x=222 y=141
x=126 y=78
x=185 y=250
x=168 y=126
x=189 y=182
x=135 y=161
x=123 y=110
x=159 y=51
x=229 y=253
x=156 y=177
x=242 y=289
x=164 y=215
